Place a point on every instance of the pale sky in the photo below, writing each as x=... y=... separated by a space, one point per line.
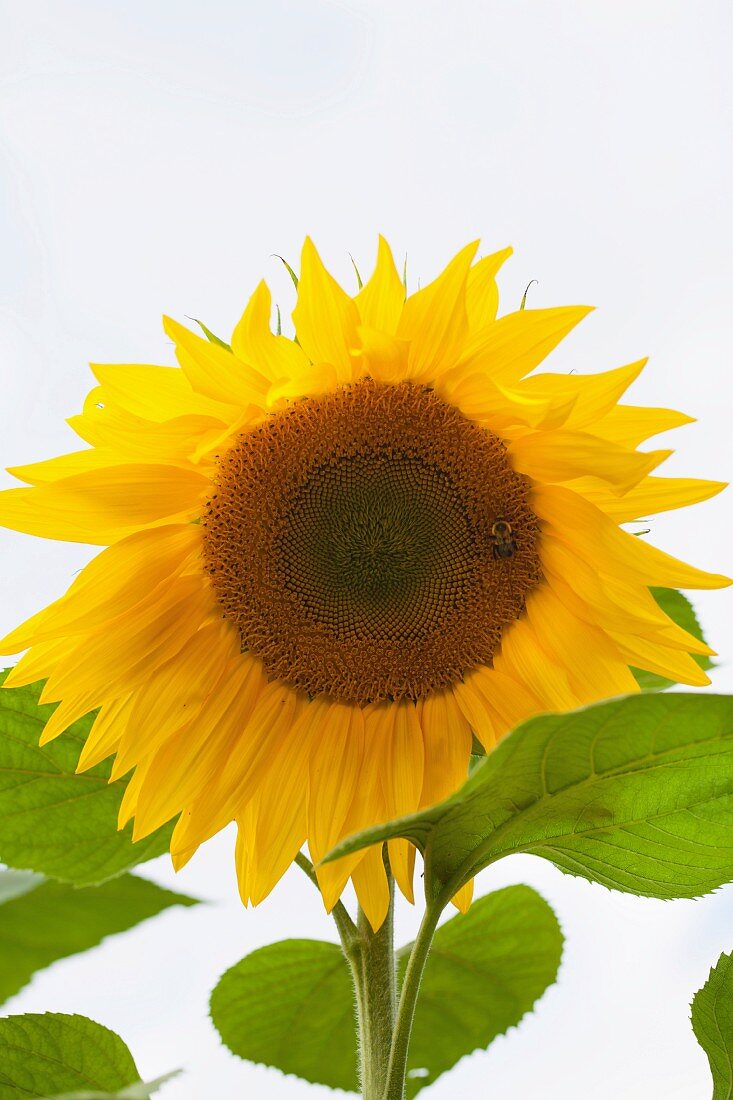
x=155 y=155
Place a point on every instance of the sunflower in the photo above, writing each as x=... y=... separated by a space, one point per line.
x=332 y=561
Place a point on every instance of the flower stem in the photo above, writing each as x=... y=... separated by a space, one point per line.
x=375 y=981
x=394 y=1087
x=371 y=959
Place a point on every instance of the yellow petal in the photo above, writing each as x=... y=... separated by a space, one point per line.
x=672 y=663
x=462 y=900
x=511 y=702
x=384 y=357
x=334 y=773
x=479 y=716
x=524 y=659
x=128 y=806
x=54 y=469
x=239 y=755
x=494 y=702
x=157 y=393
x=651 y=495
x=214 y=371
x=398 y=727
x=498 y=406
x=593 y=395
x=565 y=455
x=381 y=299
x=174 y=694
x=595 y=668
x=122 y=655
x=605 y=546
x=189 y=764
x=367 y=808
x=435 y=322
x=102 y=506
x=67 y=712
x=246 y=849
x=325 y=317
x=447 y=738
x=133 y=438
x=212 y=791
x=586 y=590
x=514 y=345
x=276 y=357
x=629 y=425
x=36 y=663
x=281 y=801
x=117 y=580
x=372 y=889
x=482 y=293
x=314 y=380
x=105 y=734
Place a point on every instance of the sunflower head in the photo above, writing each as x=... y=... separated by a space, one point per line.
x=333 y=560
x=351 y=538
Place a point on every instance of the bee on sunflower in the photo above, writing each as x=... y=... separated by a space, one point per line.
x=332 y=561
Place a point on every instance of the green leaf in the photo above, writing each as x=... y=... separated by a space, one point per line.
x=44 y=1055
x=51 y=819
x=635 y=793
x=681 y=611
x=712 y=1022
x=484 y=972
x=51 y=920
x=210 y=336
x=290 y=1005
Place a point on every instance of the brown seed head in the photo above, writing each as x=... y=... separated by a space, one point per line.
x=350 y=540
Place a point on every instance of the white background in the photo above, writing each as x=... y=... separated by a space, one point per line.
x=156 y=154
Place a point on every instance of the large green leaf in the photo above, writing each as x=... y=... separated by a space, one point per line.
x=291 y=1005
x=51 y=920
x=51 y=819
x=681 y=611
x=53 y=1054
x=635 y=793
x=484 y=973
x=712 y=1022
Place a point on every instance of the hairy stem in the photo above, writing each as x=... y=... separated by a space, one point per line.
x=394 y=1087
x=375 y=981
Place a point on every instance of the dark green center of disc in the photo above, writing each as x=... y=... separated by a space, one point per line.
x=378 y=546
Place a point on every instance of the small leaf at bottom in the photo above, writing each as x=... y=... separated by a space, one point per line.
x=712 y=1022
x=290 y=1005
x=51 y=1053
x=484 y=973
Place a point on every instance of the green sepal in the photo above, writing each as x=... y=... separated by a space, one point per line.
x=211 y=336
x=288 y=268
